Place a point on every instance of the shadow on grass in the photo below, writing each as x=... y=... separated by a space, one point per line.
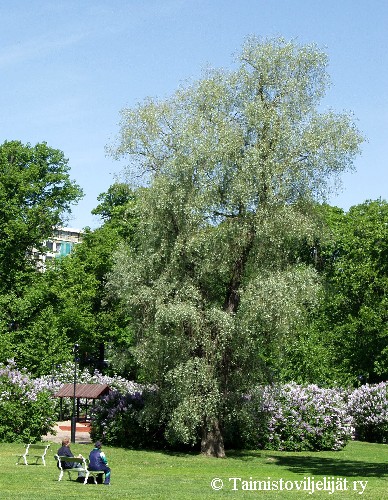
x=241 y=455
x=302 y=464
x=331 y=467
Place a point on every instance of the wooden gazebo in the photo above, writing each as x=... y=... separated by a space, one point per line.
x=82 y=391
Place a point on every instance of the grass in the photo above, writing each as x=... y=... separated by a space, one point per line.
x=143 y=475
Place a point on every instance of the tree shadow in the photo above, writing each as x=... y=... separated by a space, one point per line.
x=331 y=467
x=300 y=464
x=240 y=455
x=244 y=455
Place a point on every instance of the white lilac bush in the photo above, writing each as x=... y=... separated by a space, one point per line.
x=368 y=406
x=297 y=418
x=64 y=374
x=26 y=410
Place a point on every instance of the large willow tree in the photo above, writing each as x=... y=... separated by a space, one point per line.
x=234 y=163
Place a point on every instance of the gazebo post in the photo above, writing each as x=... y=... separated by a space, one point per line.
x=74 y=417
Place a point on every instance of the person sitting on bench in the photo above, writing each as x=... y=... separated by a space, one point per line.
x=64 y=451
x=98 y=461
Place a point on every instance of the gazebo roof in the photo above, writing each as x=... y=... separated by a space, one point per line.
x=86 y=391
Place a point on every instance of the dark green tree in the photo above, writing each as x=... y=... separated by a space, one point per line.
x=36 y=193
x=68 y=304
x=353 y=319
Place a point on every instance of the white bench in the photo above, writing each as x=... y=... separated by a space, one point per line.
x=38 y=451
x=81 y=468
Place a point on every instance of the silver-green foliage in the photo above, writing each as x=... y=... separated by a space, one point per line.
x=233 y=163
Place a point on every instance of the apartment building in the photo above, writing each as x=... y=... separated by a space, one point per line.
x=59 y=245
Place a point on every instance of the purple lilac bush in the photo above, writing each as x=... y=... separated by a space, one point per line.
x=118 y=420
x=368 y=406
x=284 y=417
x=130 y=419
x=26 y=411
x=292 y=417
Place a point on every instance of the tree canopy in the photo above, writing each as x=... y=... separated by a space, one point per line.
x=234 y=162
x=36 y=193
x=67 y=303
x=353 y=315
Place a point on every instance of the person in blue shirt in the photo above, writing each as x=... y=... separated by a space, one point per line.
x=98 y=461
x=64 y=451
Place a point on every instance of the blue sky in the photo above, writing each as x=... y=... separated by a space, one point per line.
x=68 y=67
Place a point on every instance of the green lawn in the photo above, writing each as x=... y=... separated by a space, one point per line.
x=155 y=475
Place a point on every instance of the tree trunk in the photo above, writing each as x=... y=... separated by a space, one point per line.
x=232 y=298
x=212 y=443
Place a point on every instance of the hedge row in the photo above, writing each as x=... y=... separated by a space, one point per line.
x=278 y=417
x=286 y=417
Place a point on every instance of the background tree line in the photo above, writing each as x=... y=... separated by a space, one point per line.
x=228 y=269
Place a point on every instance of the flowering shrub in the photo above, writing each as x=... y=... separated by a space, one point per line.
x=64 y=374
x=121 y=420
x=26 y=411
x=286 y=417
x=298 y=418
x=368 y=405
x=117 y=418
